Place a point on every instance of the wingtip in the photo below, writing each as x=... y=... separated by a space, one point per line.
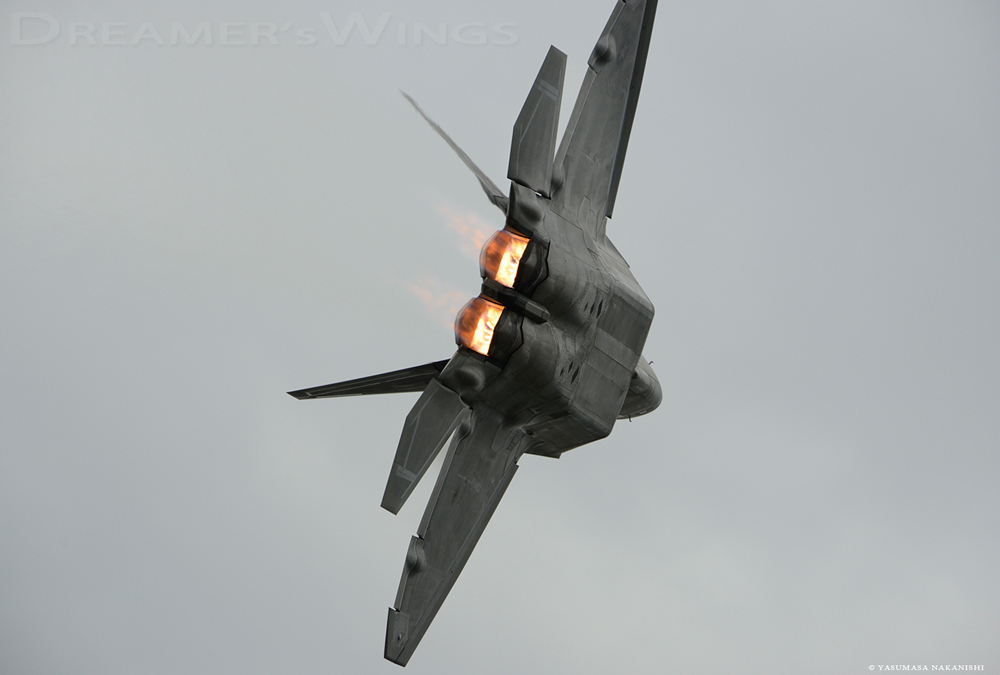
x=413 y=102
x=396 y=633
x=391 y=503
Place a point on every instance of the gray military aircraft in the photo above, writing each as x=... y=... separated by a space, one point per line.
x=550 y=352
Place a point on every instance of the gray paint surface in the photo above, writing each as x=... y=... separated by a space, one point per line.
x=813 y=205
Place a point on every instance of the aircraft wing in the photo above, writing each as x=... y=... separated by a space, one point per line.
x=498 y=198
x=415 y=378
x=589 y=162
x=478 y=468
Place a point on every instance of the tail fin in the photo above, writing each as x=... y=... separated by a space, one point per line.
x=533 y=145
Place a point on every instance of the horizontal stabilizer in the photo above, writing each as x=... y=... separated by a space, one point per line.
x=396 y=382
x=428 y=425
x=533 y=145
x=489 y=187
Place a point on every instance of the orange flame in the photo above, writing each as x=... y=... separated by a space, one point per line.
x=475 y=324
x=501 y=256
x=441 y=301
x=470 y=228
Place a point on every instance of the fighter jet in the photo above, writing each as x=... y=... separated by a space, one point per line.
x=550 y=352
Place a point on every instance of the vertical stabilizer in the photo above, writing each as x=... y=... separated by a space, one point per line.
x=533 y=145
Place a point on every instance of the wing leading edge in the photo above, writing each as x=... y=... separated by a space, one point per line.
x=401 y=381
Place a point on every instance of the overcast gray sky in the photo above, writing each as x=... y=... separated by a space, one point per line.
x=811 y=199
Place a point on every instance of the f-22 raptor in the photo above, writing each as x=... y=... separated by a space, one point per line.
x=550 y=353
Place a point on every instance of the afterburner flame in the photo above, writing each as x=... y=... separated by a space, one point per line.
x=501 y=256
x=475 y=324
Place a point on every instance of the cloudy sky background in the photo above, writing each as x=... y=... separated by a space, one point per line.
x=811 y=199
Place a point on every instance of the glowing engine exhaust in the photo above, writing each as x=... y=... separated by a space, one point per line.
x=476 y=324
x=487 y=328
x=514 y=261
x=501 y=257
